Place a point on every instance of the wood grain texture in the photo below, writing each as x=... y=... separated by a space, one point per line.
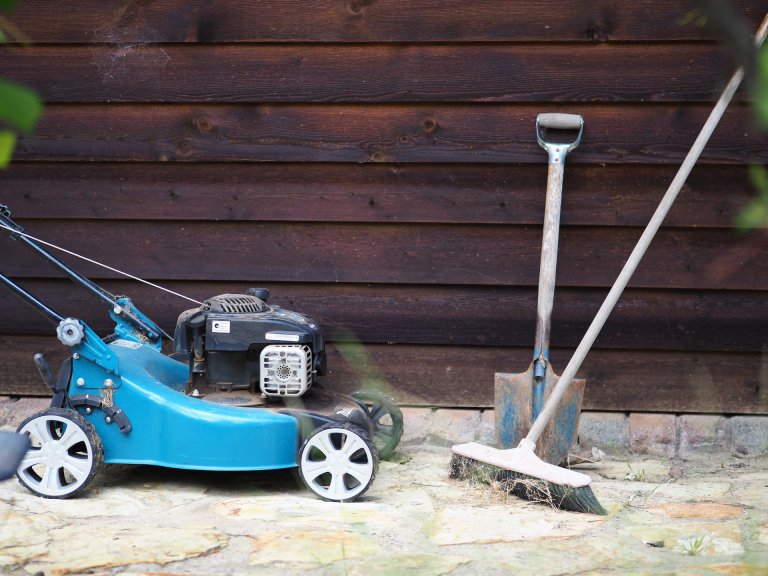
x=692 y=320
x=120 y=21
x=463 y=376
x=493 y=133
x=489 y=255
x=615 y=195
x=375 y=164
x=371 y=74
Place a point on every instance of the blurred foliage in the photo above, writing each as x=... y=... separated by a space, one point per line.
x=755 y=214
x=695 y=17
x=761 y=89
x=20 y=107
x=727 y=23
x=354 y=353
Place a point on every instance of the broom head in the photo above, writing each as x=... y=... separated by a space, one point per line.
x=520 y=471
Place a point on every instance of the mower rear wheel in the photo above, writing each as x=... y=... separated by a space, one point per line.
x=387 y=421
x=64 y=455
x=338 y=462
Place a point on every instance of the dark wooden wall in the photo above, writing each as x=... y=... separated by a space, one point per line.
x=374 y=163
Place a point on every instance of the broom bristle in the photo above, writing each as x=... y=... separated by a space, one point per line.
x=527 y=487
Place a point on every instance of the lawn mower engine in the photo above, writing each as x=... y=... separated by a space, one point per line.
x=239 y=342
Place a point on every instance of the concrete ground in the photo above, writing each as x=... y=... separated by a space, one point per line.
x=666 y=515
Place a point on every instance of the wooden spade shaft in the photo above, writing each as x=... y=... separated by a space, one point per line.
x=519 y=398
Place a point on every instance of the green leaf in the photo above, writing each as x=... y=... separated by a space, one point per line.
x=755 y=214
x=7 y=4
x=696 y=17
x=759 y=176
x=19 y=106
x=7 y=144
x=761 y=90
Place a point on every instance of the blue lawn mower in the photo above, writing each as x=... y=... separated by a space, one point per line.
x=238 y=392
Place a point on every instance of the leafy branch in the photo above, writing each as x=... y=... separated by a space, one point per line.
x=20 y=107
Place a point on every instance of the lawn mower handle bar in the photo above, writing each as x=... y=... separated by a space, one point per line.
x=5 y=218
x=52 y=315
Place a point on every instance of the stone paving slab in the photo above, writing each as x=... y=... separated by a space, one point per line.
x=665 y=517
x=701 y=509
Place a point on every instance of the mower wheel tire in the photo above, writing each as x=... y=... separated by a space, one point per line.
x=64 y=455
x=387 y=420
x=338 y=462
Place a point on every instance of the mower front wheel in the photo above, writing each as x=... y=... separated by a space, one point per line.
x=338 y=462
x=64 y=455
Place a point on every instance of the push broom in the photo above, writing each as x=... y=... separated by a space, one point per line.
x=519 y=470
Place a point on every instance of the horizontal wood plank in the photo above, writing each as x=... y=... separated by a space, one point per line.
x=616 y=380
x=615 y=195
x=495 y=133
x=463 y=376
x=443 y=315
x=380 y=73
x=494 y=255
x=116 y=21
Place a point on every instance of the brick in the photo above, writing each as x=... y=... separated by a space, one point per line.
x=700 y=434
x=608 y=431
x=652 y=434
x=451 y=427
x=486 y=433
x=749 y=435
x=605 y=430
x=416 y=423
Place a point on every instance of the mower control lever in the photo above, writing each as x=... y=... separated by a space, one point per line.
x=147 y=328
x=45 y=370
